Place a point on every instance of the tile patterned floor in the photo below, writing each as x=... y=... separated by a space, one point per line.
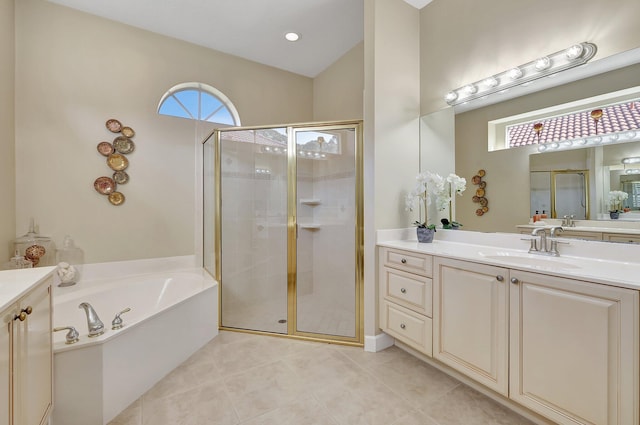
x=260 y=380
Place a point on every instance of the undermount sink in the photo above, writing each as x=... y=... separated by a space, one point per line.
x=531 y=260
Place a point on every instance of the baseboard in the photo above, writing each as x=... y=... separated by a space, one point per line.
x=375 y=343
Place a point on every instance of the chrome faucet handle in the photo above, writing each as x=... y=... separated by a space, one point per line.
x=533 y=247
x=556 y=229
x=572 y=222
x=72 y=336
x=117 y=323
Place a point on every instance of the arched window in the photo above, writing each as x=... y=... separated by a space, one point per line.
x=199 y=101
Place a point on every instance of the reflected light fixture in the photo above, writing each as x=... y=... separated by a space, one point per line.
x=571 y=57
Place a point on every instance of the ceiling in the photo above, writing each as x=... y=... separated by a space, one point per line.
x=251 y=29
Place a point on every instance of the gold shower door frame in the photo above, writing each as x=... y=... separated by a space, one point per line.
x=292 y=228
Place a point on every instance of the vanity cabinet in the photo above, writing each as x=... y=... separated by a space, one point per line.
x=471 y=320
x=566 y=349
x=574 y=349
x=406 y=288
x=27 y=357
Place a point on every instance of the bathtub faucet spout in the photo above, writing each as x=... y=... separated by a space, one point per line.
x=96 y=327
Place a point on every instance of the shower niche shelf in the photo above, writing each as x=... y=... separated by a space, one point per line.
x=309 y=201
x=310 y=226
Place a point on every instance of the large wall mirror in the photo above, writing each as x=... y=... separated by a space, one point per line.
x=580 y=179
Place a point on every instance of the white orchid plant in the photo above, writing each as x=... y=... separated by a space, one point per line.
x=616 y=198
x=432 y=185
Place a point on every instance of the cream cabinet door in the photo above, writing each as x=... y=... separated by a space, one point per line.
x=574 y=350
x=33 y=364
x=5 y=366
x=470 y=320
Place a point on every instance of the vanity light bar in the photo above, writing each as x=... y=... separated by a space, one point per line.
x=620 y=137
x=571 y=57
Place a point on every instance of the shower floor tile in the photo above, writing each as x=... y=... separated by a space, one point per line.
x=246 y=379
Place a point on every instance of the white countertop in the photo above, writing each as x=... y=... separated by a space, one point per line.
x=600 y=262
x=15 y=283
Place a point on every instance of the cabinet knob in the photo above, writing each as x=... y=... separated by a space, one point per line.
x=403 y=261
x=21 y=317
x=403 y=290
x=515 y=280
x=28 y=310
x=499 y=278
x=402 y=326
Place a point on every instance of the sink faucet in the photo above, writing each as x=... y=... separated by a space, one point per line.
x=568 y=220
x=96 y=327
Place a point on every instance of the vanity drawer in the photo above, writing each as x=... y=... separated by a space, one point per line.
x=621 y=237
x=409 y=327
x=407 y=261
x=408 y=289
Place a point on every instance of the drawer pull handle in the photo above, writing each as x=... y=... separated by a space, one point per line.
x=403 y=261
x=22 y=316
x=499 y=278
x=402 y=326
x=403 y=290
x=515 y=280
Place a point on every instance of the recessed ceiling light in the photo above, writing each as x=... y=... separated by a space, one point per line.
x=292 y=36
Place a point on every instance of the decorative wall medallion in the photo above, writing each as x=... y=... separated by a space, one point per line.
x=116 y=198
x=114 y=125
x=480 y=196
x=116 y=160
x=104 y=185
x=105 y=148
x=123 y=144
x=121 y=177
x=128 y=132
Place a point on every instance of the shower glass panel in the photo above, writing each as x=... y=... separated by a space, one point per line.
x=570 y=194
x=326 y=236
x=208 y=205
x=253 y=229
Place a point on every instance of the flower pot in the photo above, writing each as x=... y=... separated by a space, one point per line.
x=425 y=235
x=614 y=215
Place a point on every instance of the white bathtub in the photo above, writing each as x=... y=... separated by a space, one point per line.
x=173 y=314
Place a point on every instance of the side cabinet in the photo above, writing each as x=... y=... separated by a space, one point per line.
x=26 y=359
x=6 y=366
x=406 y=289
x=471 y=320
x=574 y=350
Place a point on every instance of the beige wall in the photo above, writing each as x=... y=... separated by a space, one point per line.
x=463 y=41
x=338 y=90
x=73 y=72
x=508 y=170
x=7 y=180
x=391 y=114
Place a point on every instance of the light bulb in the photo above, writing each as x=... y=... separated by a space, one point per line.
x=575 y=51
x=542 y=148
x=451 y=96
x=554 y=145
x=490 y=82
x=543 y=63
x=515 y=73
x=292 y=36
x=471 y=89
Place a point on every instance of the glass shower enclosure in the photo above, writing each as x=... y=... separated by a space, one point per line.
x=283 y=228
